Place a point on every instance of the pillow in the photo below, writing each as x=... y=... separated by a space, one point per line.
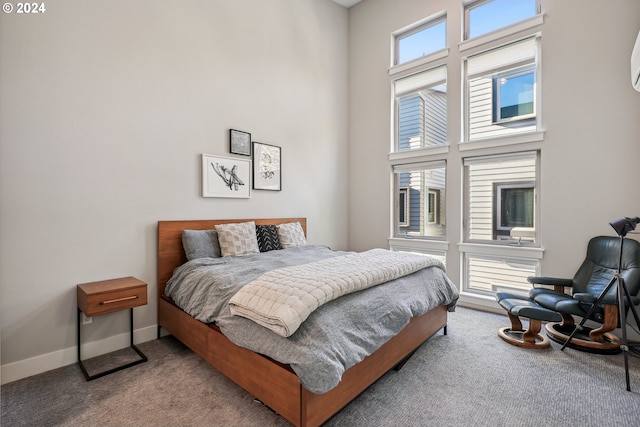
x=291 y=234
x=200 y=244
x=268 y=239
x=237 y=239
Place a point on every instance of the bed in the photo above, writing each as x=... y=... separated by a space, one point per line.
x=276 y=384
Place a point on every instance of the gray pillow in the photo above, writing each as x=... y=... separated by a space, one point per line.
x=201 y=244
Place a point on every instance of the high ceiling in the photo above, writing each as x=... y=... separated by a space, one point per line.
x=346 y=3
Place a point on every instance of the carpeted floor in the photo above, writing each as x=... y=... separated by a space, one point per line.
x=469 y=377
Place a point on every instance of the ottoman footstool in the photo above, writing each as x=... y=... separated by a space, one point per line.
x=522 y=306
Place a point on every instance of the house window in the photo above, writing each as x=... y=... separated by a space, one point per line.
x=514 y=95
x=484 y=16
x=420 y=206
x=501 y=87
x=500 y=196
x=421 y=110
x=433 y=210
x=403 y=207
x=421 y=41
x=514 y=209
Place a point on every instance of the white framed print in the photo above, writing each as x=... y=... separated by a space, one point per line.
x=226 y=177
x=267 y=167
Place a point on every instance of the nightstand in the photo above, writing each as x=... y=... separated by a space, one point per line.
x=108 y=296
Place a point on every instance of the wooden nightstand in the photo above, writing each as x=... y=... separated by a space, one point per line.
x=108 y=296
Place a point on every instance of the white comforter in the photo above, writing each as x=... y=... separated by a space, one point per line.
x=282 y=299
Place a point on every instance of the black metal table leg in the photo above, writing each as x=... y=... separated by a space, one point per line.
x=88 y=377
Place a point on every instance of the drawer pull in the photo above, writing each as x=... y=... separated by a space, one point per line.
x=111 y=301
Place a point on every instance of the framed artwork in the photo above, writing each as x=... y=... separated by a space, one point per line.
x=267 y=167
x=239 y=142
x=225 y=177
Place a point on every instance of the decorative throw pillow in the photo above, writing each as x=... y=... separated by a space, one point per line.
x=291 y=234
x=200 y=244
x=268 y=239
x=237 y=239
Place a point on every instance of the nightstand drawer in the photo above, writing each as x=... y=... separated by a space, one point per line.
x=111 y=295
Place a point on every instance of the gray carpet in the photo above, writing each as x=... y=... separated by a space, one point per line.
x=467 y=378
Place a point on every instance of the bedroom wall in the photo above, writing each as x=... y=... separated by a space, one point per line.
x=105 y=109
x=591 y=150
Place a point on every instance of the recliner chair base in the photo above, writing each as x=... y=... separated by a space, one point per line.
x=527 y=339
x=581 y=341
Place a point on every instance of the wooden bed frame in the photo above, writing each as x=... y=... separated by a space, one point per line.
x=273 y=383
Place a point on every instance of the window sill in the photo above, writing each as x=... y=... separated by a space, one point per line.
x=415 y=154
x=419 y=243
x=423 y=60
x=532 y=138
x=510 y=251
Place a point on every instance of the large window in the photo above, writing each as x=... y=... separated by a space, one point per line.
x=500 y=196
x=420 y=205
x=501 y=91
x=421 y=110
x=514 y=95
x=421 y=41
x=467 y=142
x=485 y=16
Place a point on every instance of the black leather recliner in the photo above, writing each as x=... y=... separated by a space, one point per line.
x=593 y=276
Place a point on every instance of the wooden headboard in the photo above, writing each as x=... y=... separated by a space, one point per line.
x=171 y=253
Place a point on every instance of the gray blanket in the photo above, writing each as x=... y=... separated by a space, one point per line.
x=335 y=337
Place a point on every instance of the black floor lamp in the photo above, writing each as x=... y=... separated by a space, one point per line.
x=622 y=226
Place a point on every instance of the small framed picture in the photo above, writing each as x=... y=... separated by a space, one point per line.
x=267 y=167
x=225 y=177
x=239 y=142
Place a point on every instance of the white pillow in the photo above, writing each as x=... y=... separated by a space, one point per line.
x=237 y=239
x=291 y=234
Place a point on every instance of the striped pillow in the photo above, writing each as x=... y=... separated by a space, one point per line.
x=268 y=239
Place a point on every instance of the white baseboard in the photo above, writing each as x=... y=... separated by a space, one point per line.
x=36 y=365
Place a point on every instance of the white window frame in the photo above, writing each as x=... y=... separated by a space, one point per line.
x=525 y=63
x=403 y=200
x=465 y=205
x=497 y=89
x=454 y=156
x=413 y=29
x=411 y=84
x=511 y=28
x=498 y=213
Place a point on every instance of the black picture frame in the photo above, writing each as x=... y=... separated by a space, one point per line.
x=267 y=167
x=239 y=142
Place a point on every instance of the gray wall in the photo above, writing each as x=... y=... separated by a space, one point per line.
x=105 y=109
x=591 y=151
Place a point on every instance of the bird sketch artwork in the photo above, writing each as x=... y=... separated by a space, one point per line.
x=226 y=177
x=229 y=176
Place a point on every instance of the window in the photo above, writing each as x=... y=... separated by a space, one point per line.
x=514 y=95
x=501 y=91
x=492 y=167
x=486 y=274
x=421 y=41
x=420 y=206
x=484 y=16
x=514 y=208
x=403 y=207
x=500 y=196
x=421 y=110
